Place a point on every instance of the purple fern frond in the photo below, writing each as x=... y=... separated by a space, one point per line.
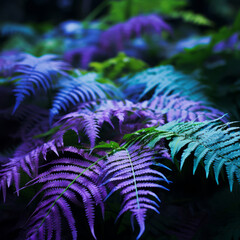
x=90 y=117
x=83 y=88
x=62 y=179
x=129 y=170
x=36 y=73
x=26 y=157
x=175 y=107
x=130 y=117
x=91 y=128
x=87 y=123
x=129 y=114
x=231 y=43
x=120 y=33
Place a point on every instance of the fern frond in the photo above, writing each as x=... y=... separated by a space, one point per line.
x=192 y=17
x=26 y=158
x=216 y=145
x=119 y=8
x=36 y=73
x=175 y=107
x=83 y=88
x=89 y=120
x=131 y=117
x=65 y=181
x=162 y=80
x=129 y=171
x=85 y=122
x=120 y=33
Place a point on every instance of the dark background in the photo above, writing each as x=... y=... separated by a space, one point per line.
x=54 y=11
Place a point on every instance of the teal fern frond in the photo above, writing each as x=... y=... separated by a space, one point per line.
x=162 y=80
x=215 y=145
x=7 y=29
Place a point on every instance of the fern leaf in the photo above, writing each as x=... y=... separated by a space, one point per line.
x=214 y=144
x=26 y=157
x=90 y=121
x=175 y=107
x=83 y=88
x=162 y=80
x=118 y=34
x=62 y=185
x=79 y=122
x=36 y=73
x=192 y=17
x=129 y=171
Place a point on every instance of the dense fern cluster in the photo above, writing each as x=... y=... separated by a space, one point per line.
x=104 y=141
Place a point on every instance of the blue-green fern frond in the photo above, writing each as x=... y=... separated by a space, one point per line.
x=216 y=145
x=162 y=80
x=7 y=29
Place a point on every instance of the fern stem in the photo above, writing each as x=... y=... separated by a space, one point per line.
x=134 y=178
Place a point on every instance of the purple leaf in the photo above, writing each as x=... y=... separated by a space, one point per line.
x=133 y=180
x=36 y=73
x=120 y=33
x=62 y=185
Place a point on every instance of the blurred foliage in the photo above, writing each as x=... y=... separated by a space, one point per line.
x=191 y=17
x=122 y=10
x=119 y=66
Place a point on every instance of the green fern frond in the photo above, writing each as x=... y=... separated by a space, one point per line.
x=192 y=17
x=123 y=9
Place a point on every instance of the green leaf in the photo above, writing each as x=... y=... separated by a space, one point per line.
x=110 y=145
x=48 y=133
